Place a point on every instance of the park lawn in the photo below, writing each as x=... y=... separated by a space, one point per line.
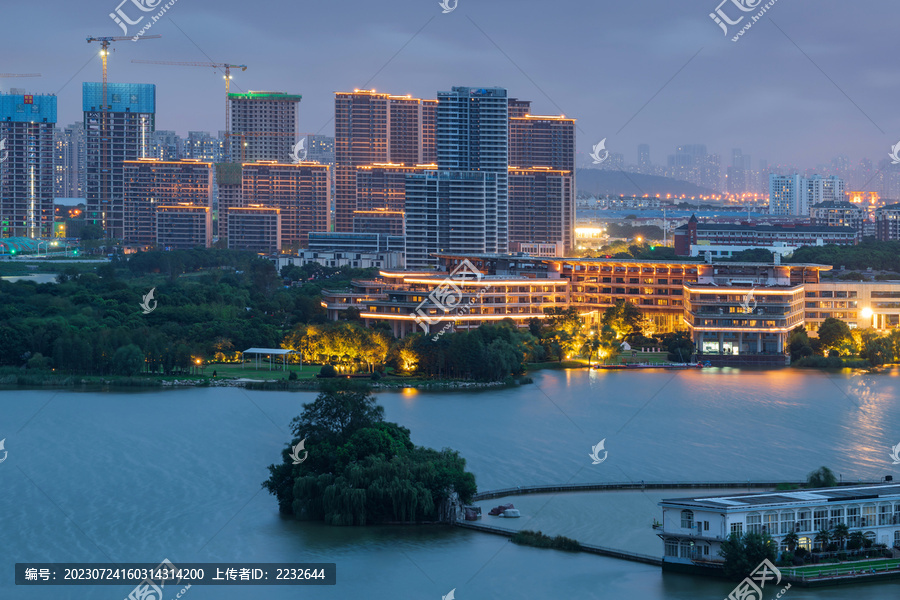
x=843 y=568
x=246 y=371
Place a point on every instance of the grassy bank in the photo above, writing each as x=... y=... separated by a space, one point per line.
x=540 y=540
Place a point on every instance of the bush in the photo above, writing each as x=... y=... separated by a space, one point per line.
x=540 y=540
x=328 y=371
x=376 y=376
x=292 y=376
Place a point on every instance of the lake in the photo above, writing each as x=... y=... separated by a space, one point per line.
x=147 y=475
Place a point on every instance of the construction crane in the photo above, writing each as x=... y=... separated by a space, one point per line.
x=227 y=67
x=4 y=75
x=104 y=110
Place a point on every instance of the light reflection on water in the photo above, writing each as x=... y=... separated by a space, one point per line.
x=144 y=476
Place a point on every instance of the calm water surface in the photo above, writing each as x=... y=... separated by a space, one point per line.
x=142 y=476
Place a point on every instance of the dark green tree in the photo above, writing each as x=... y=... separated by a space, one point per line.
x=743 y=554
x=821 y=478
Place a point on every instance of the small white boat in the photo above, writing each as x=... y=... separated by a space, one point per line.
x=511 y=513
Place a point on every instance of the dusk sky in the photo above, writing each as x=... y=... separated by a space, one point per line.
x=599 y=62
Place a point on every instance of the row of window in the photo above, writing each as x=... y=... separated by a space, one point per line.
x=832 y=294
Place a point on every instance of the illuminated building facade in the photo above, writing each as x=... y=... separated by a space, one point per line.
x=183 y=227
x=301 y=191
x=542 y=208
x=694 y=529
x=27 y=125
x=541 y=205
x=381 y=198
x=838 y=214
x=373 y=128
x=264 y=126
x=125 y=135
x=150 y=183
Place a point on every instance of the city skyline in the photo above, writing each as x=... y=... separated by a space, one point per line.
x=762 y=94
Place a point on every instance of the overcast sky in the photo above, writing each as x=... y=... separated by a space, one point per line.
x=825 y=83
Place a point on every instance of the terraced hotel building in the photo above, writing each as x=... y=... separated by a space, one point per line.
x=734 y=311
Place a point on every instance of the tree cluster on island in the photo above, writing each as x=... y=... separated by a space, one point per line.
x=361 y=469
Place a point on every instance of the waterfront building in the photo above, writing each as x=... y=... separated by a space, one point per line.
x=746 y=309
x=121 y=132
x=150 y=183
x=256 y=228
x=263 y=126
x=693 y=529
x=302 y=192
x=709 y=235
x=183 y=227
x=27 y=185
x=861 y=304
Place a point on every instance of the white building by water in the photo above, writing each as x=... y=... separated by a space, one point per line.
x=693 y=529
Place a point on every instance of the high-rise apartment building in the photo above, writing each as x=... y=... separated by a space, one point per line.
x=69 y=161
x=542 y=165
x=643 y=161
x=150 y=183
x=227 y=195
x=542 y=207
x=788 y=195
x=795 y=194
x=320 y=149
x=519 y=108
x=264 y=126
x=183 y=227
x=123 y=131
x=381 y=198
x=301 y=192
x=375 y=128
x=825 y=189
x=202 y=145
x=464 y=203
x=166 y=145
x=27 y=125
x=255 y=228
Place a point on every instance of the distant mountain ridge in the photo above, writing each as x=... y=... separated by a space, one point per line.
x=600 y=182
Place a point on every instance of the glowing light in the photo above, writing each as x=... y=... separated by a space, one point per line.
x=866 y=313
